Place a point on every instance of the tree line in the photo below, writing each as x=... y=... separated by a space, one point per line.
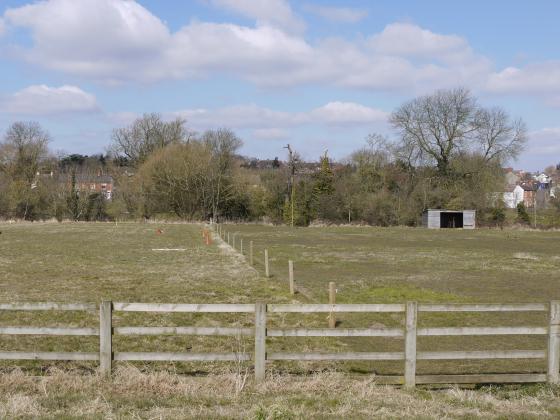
x=445 y=151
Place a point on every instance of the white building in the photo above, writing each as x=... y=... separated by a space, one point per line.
x=543 y=179
x=513 y=196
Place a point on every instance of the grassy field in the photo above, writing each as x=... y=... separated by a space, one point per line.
x=90 y=262
x=385 y=265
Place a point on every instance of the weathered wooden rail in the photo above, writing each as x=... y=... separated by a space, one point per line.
x=260 y=356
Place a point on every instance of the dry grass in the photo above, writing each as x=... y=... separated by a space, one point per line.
x=134 y=394
x=90 y=262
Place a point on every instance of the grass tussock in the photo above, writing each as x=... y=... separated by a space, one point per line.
x=135 y=394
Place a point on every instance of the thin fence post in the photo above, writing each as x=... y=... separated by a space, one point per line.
x=241 y=245
x=105 y=337
x=233 y=240
x=266 y=267
x=291 y=276
x=228 y=238
x=260 y=341
x=553 y=376
x=332 y=301
x=410 y=345
x=251 y=252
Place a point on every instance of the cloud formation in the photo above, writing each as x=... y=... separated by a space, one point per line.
x=277 y=13
x=267 y=120
x=541 y=78
x=544 y=142
x=42 y=100
x=119 y=41
x=270 y=134
x=337 y=14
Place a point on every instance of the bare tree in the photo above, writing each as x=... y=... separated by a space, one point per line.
x=24 y=147
x=223 y=144
x=437 y=126
x=498 y=137
x=145 y=135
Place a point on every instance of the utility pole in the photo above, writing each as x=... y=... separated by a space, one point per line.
x=292 y=186
x=535 y=209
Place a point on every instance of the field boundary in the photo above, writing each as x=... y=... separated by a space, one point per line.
x=260 y=356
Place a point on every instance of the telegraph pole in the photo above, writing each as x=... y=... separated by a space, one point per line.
x=292 y=184
x=535 y=209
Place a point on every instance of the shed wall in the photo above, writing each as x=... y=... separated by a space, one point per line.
x=469 y=219
x=433 y=219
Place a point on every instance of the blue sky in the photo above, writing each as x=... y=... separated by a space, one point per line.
x=317 y=74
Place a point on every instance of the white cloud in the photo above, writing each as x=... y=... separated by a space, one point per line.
x=116 y=41
x=239 y=116
x=540 y=78
x=337 y=14
x=102 y=39
x=544 y=142
x=408 y=40
x=348 y=113
x=267 y=120
x=2 y=27
x=42 y=100
x=276 y=13
x=270 y=133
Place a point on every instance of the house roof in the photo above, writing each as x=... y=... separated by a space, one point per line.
x=85 y=178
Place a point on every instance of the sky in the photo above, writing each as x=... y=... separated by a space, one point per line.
x=320 y=75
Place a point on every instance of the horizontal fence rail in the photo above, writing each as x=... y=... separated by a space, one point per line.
x=409 y=334
x=182 y=331
x=310 y=308
x=170 y=307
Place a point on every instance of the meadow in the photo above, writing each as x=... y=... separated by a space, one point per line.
x=89 y=262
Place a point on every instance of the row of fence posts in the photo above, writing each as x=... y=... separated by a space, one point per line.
x=231 y=240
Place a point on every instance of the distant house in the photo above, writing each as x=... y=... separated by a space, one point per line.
x=90 y=183
x=543 y=180
x=100 y=184
x=512 y=177
x=513 y=195
x=529 y=193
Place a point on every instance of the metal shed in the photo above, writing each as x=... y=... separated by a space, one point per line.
x=440 y=218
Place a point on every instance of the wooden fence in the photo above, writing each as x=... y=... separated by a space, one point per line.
x=260 y=356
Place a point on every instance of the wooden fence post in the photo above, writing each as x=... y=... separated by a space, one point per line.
x=228 y=238
x=260 y=341
x=332 y=301
x=241 y=246
x=291 y=276
x=105 y=337
x=233 y=240
x=251 y=252
x=410 y=345
x=266 y=267
x=553 y=376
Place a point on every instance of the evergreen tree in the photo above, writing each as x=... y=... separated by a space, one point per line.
x=74 y=199
x=324 y=184
x=522 y=215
